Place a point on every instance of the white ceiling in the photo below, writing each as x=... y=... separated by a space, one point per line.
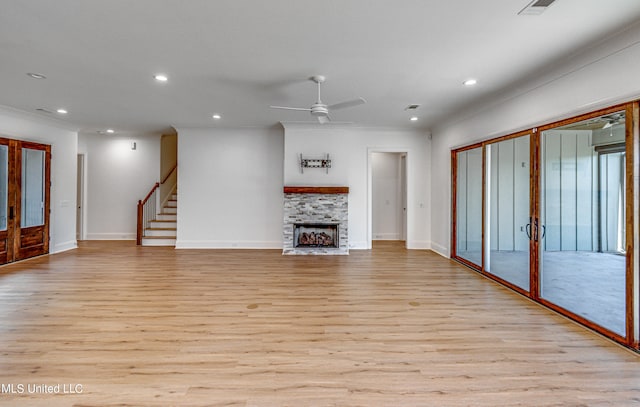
x=237 y=57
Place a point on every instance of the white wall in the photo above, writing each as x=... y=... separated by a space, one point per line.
x=351 y=149
x=117 y=177
x=64 y=144
x=230 y=188
x=603 y=75
x=386 y=196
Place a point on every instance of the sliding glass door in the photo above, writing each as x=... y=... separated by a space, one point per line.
x=508 y=219
x=468 y=208
x=550 y=213
x=583 y=220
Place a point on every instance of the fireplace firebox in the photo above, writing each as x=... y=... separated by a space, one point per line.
x=314 y=235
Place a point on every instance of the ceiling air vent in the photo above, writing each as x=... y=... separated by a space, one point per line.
x=536 y=7
x=412 y=107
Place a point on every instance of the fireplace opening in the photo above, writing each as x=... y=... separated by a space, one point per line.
x=315 y=235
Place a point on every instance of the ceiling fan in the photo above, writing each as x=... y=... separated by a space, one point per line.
x=320 y=109
x=612 y=119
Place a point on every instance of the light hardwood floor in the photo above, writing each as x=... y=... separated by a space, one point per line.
x=156 y=326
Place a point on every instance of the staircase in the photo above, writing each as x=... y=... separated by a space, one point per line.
x=162 y=230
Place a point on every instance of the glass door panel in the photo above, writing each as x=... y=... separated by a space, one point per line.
x=582 y=220
x=4 y=186
x=507 y=221
x=469 y=205
x=5 y=235
x=32 y=205
x=32 y=200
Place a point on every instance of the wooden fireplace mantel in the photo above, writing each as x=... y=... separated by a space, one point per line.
x=316 y=190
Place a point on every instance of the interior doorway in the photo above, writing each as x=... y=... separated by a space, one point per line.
x=388 y=196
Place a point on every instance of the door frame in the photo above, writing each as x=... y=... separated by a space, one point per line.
x=403 y=197
x=481 y=268
x=407 y=190
x=631 y=145
x=486 y=208
x=80 y=198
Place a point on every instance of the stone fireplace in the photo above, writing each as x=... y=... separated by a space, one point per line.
x=315 y=220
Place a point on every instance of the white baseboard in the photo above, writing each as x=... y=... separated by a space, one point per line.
x=111 y=236
x=418 y=245
x=410 y=244
x=223 y=244
x=63 y=247
x=386 y=236
x=358 y=246
x=441 y=250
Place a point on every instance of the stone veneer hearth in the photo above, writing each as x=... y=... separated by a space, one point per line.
x=316 y=205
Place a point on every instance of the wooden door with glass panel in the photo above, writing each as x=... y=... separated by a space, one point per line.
x=24 y=199
x=31 y=237
x=6 y=216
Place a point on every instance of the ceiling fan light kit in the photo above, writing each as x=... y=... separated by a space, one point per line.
x=321 y=110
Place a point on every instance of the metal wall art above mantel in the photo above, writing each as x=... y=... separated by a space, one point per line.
x=315 y=162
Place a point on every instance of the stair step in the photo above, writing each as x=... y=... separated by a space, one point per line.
x=168 y=209
x=171 y=204
x=163 y=224
x=174 y=197
x=167 y=216
x=165 y=232
x=158 y=241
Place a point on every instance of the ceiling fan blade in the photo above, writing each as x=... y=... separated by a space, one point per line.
x=324 y=119
x=348 y=103
x=291 y=108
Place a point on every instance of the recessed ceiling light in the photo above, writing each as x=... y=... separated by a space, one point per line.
x=161 y=77
x=36 y=75
x=414 y=119
x=470 y=82
x=216 y=117
x=110 y=131
x=62 y=111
